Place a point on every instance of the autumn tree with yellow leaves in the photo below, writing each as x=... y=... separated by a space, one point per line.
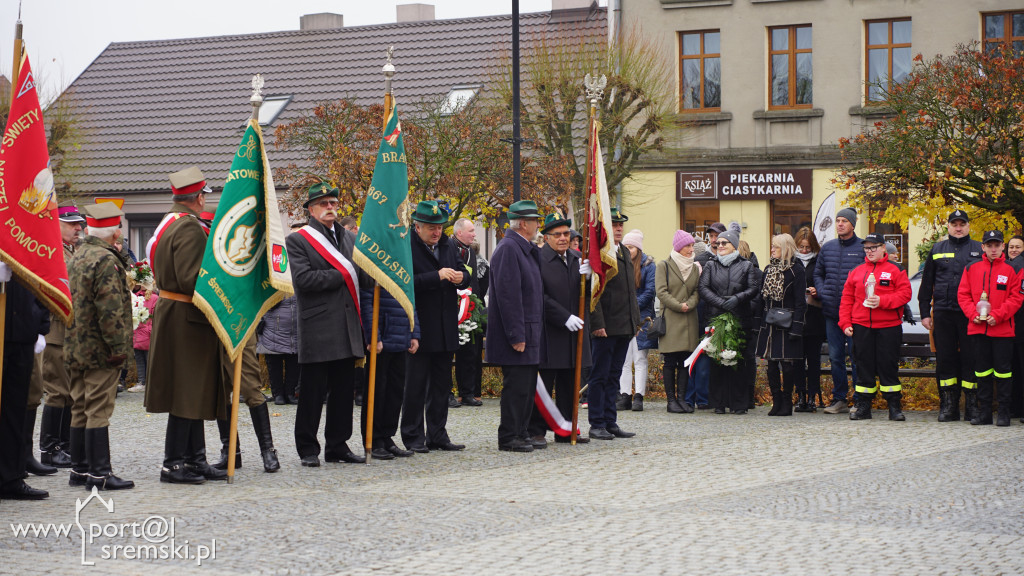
x=952 y=137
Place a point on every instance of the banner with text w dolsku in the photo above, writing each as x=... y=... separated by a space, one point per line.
x=30 y=241
x=245 y=267
x=383 y=248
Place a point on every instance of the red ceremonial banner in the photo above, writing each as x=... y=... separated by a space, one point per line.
x=30 y=241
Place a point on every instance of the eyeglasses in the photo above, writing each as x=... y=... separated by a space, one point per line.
x=721 y=243
x=872 y=248
x=559 y=234
x=328 y=203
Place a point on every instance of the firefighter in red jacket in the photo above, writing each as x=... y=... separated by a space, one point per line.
x=871 y=311
x=990 y=294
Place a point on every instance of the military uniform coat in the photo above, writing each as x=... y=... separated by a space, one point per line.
x=56 y=335
x=561 y=299
x=101 y=324
x=328 y=322
x=183 y=375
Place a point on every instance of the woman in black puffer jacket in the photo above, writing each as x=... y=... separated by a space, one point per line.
x=730 y=284
x=808 y=381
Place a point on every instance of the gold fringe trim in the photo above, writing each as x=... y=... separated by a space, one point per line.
x=42 y=290
x=218 y=326
x=387 y=283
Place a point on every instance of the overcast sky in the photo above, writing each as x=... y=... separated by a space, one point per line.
x=64 y=36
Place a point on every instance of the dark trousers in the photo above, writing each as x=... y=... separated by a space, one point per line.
x=609 y=355
x=427 y=385
x=18 y=360
x=389 y=388
x=697 y=392
x=318 y=379
x=141 y=359
x=561 y=382
x=469 y=366
x=517 y=388
x=877 y=355
x=676 y=376
x=284 y=373
x=953 y=364
x=808 y=377
x=839 y=345
x=993 y=361
x=728 y=385
x=749 y=368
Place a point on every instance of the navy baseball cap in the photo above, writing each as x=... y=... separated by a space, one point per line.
x=992 y=236
x=873 y=238
x=958 y=215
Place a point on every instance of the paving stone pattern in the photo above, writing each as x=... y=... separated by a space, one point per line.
x=812 y=494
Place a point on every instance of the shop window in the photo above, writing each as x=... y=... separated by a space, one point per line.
x=888 y=57
x=697 y=215
x=700 y=70
x=789 y=216
x=895 y=234
x=1002 y=27
x=790 y=74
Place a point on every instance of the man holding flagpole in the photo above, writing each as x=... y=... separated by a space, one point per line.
x=330 y=337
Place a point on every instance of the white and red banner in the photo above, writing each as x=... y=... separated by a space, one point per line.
x=600 y=245
x=30 y=241
x=546 y=406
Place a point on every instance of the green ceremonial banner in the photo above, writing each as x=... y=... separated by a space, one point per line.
x=383 y=248
x=245 y=267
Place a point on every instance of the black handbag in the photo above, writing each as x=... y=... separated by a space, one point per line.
x=779 y=317
x=656 y=327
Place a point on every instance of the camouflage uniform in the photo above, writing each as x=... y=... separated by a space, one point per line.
x=101 y=328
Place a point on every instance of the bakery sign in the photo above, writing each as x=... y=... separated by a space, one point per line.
x=744 y=184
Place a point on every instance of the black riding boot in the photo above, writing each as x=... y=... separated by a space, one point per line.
x=224 y=429
x=176 y=445
x=51 y=450
x=33 y=466
x=195 y=457
x=776 y=391
x=970 y=405
x=670 y=392
x=97 y=452
x=261 y=422
x=79 y=465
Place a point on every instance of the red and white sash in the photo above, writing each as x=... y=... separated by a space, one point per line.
x=164 y=225
x=325 y=248
x=546 y=406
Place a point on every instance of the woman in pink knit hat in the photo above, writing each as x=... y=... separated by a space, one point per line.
x=634 y=371
x=676 y=281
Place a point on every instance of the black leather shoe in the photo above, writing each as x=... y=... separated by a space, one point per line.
x=739 y=412
x=538 y=442
x=293 y=399
x=453 y=402
x=22 y=491
x=280 y=400
x=36 y=467
x=398 y=451
x=179 y=474
x=580 y=439
x=516 y=445
x=418 y=449
x=310 y=461
x=446 y=446
x=108 y=482
x=471 y=402
x=619 y=432
x=348 y=456
x=719 y=410
x=600 y=434
x=77 y=478
x=56 y=458
x=381 y=454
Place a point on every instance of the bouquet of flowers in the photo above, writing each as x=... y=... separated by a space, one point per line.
x=140 y=273
x=727 y=339
x=472 y=316
x=140 y=313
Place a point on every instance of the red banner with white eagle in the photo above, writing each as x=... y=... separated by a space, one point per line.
x=30 y=241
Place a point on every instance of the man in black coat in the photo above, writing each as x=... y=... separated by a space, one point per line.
x=560 y=273
x=25 y=324
x=437 y=275
x=330 y=338
x=468 y=359
x=615 y=322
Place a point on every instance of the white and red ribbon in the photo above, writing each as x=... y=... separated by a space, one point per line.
x=692 y=359
x=335 y=258
x=546 y=406
x=464 y=311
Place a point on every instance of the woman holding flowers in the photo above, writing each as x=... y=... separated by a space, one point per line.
x=728 y=286
x=781 y=308
x=143 y=305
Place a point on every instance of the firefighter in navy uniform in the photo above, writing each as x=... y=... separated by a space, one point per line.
x=994 y=284
x=941 y=314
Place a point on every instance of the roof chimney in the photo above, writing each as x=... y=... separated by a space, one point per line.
x=321 y=21
x=415 y=12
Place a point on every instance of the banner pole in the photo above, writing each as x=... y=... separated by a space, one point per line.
x=233 y=417
x=372 y=374
x=3 y=285
x=591 y=161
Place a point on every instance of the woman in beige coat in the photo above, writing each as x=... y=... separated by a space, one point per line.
x=675 y=281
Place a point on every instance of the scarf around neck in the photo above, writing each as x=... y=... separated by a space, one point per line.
x=774 y=281
x=729 y=258
x=685 y=264
x=806 y=258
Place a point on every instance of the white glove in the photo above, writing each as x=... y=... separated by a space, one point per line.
x=40 y=344
x=574 y=323
x=5 y=272
x=585 y=268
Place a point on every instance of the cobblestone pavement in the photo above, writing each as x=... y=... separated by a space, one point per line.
x=695 y=494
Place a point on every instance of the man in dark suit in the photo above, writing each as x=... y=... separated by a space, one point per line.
x=468 y=359
x=330 y=338
x=560 y=270
x=437 y=275
x=614 y=323
x=515 y=324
